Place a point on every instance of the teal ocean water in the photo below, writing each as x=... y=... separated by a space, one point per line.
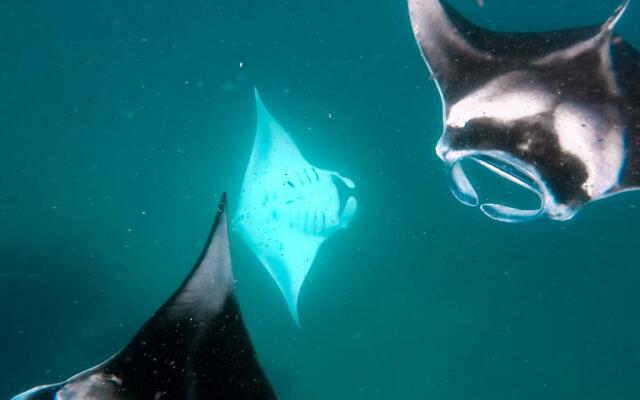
x=122 y=122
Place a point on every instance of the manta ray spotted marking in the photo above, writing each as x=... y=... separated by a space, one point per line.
x=556 y=112
x=195 y=346
x=288 y=207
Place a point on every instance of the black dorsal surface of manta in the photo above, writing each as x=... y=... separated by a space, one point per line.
x=556 y=112
x=195 y=347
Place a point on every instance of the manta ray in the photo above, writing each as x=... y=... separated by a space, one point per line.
x=288 y=207
x=194 y=347
x=556 y=112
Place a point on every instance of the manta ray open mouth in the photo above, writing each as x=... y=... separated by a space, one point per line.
x=510 y=169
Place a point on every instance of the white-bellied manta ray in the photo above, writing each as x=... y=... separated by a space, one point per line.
x=195 y=347
x=288 y=207
x=556 y=112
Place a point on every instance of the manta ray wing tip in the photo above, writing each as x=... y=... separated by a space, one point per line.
x=223 y=202
x=256 y=95
x=617 y=14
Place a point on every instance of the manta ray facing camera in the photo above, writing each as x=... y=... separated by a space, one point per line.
x=195 y=347
x=556 y=112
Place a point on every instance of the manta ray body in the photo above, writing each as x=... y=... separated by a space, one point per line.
x=556 y=112
x=194 y=347
x=288 y=207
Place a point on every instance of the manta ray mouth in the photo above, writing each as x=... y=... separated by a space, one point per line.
x=508 y=168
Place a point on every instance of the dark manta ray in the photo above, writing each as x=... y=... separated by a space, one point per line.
x=555 y=112
x=194 y=348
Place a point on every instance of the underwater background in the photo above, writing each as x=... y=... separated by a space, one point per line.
x=121 y=123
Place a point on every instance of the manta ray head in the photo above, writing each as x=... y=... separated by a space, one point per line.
x=564 y=150
x=316 y=202
x=545 y=110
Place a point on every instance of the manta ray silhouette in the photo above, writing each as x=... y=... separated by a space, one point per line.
x=194 y=347
x=288 y=207
x=556 y=112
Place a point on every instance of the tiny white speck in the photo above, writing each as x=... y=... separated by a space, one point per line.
x=241 y=64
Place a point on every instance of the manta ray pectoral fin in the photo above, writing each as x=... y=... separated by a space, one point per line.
x=273 y=147
x=44 y=392
x=290 y=266
x=195 y=346
x=263 y=140
x=599 y=42
x=210 y=282
x=197 y=338
x=462 y=55
x=441 y=34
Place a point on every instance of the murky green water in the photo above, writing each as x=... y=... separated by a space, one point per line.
x=121 y=123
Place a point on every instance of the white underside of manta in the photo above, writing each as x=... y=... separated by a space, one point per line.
x=288 y=207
